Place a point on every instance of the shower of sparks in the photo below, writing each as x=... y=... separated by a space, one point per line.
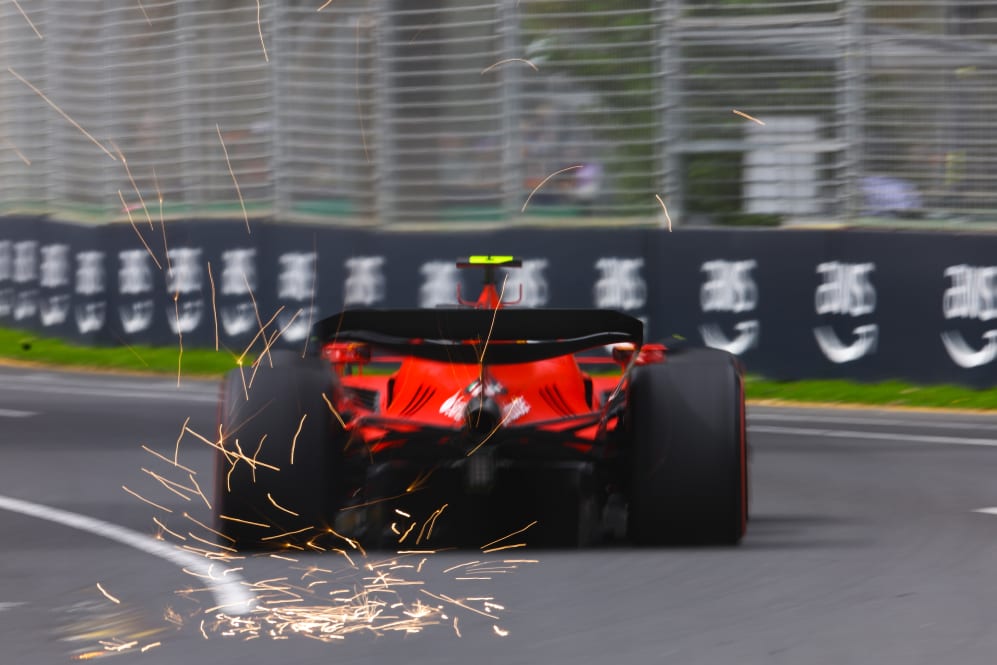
x=17 y=151
x=214 y=306
x=748 y=117
x=544 y=182
x=507 y=60
x=137 y=232
x=107 y=595
x=668 y=217
x=16 y=4
x=268 y=343
x=259 y=28
x=62 y=113
x=145 y=500
x=231 y=172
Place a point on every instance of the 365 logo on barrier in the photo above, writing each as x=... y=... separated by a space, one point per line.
x=26 y=276
x=296 y=289
x=971 y=295
x=135 y=288
x=620 y=284
x=846 y=289
x=91 y=309
x=365 y=283
x=238 y=283
x=184 y=278
x=730 y=288
x=54 y=272
x=6 y=276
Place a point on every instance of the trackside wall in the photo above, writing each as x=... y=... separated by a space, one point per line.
x=854 y=304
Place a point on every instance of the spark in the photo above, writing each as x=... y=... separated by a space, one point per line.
x=431 y=522
x=214 y=306
x=199 y=492
x=407 y=532
x=544 y=182
x=280 y=507
x=257 y=336
x=748 y=117
x=456 y=602
x=488 y=338
x=242 y=203
x=360 y=109
x=16 y=4
x=287 y=533
x=203 y=633
x=401 y=512
x=62 y=113
x=176 y=451
x=294 y=441
x=455 y=628
x=256 y=454
x=150 y=646
x=107 y=595
x=139 y=233
x=259 y=28
x=507 y=60
x=327 y=3
x=333 y=409
x=148 y=21
x=503 y=547
x=510 y=535
x=162 y=219
x=500 y=632
x=131 y=179
x=16 y=150
x=231 y=453
x=142 y=498
x=168 y=530
x=208 y=528
x=668 y=217
x=169 y=484
x=241 y=521
x=167 y=459
x=267 y=343
x=283 y=558
x=176 y=307
x=311 y=305
x=210 y=543
x=461 y=565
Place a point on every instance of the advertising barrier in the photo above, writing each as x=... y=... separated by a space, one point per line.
x=857 y=304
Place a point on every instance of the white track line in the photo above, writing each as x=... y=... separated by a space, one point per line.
x=982 y=422
x=229 y=591
x=881 y=436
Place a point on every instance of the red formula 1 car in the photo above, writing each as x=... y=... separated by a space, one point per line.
x=414 y=428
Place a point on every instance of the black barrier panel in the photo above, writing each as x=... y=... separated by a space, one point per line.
x=737 y=290
x=864 y=305
x=19 y=291
x=73 y=282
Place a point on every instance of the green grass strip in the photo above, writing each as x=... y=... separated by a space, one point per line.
x=23 y=346
x=19 y=345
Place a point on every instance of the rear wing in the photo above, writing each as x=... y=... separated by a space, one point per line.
x=461 y=335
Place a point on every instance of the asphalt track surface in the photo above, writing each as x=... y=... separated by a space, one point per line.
x=864 y=547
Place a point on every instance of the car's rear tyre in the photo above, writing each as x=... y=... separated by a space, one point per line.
x=286 y=424
x=689 y=464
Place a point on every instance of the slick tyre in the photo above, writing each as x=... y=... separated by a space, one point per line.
x=688 y=482
x=276 y=482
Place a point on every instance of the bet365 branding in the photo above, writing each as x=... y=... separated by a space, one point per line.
x=846 y=292
x=971 y=296
x=730 y=287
